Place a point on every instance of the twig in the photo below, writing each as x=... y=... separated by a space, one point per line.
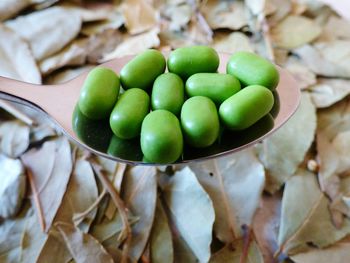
x=122 y=210
x=18 y=114
x=36 y=200
x=246 y=244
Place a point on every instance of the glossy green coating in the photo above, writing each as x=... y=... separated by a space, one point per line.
x=168 y=93
x=200 y=121
x=217 y=87
x=187 y=61
x=161 y=137
x=246 y=107
x=125 y=149
x=142 y=70
x=251 y=69
x=129 y=112
x=99 y=93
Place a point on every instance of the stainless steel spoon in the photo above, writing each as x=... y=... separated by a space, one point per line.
x=58 y=103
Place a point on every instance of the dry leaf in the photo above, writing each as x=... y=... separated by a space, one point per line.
x=302 y=74
x=50 y=167
x=14 y=137
x=139 y=16
x=66 y=75
x=235 y=184
x=44 y=35
x=179 y=15
x=334 y=119
x=161 y=243
x=305 y=216
x=329 y=91
x=335 y=254
x=281 y=156
x=191 y=211
x=225 y=14
x=17 y=60
x=342 y=7
x=134 y=45
x=282 y=7
x=329 y=59
x=265 y=225
x=12 y=187
x=140 y=188
x=341 y=144
x=233 y=254
x=336 y=28
x=9 y=8
x=83 y=247
x=295 y=31
x=232 y=42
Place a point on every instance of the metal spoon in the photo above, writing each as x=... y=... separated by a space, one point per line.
x=58 y=103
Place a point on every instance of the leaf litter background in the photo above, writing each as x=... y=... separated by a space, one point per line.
x=284 y=200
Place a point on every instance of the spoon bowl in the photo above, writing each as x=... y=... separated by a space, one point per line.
x=58 y=102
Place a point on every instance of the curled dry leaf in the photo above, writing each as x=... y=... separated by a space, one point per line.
x=301 y=73
x=190 y=210
x=140 y=190
x=12 y=187
x=9 y=8
x=282 y=9
x=336 y=28
x=83 y=247
x=306 y=218
x=134 y=45
x=295 y=31
x=329 y=59
x=329 y=91
x=232 y=42
x=335 y=254
x=50 y=167
x=282 y=157
x=340 y=6
x=235 y=184
x=233 y=253
x=17 y=60
x=179 y=15
x=161 y=243
x=14 y=137
x=225 y=14
x=44 y=36
x=139 y=15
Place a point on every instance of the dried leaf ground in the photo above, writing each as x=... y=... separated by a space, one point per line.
x=287 y=198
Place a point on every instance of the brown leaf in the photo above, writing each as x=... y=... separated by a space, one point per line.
x=140 y=188
x=44 y=35
x=12 y=187
x=66 y=75
x=9 y=8
x=232 y=42
x=179 y=15
x=83 y=247
x=340 y=6
x=21 y=66
x=51 y=167
x=295 y=31
x=139 y=15
x=302 y=74
x=225 y=14
x=14 y=137
x=335 y=29
x=282 y=157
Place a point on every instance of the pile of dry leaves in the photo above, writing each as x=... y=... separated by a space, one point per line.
x=284 y=200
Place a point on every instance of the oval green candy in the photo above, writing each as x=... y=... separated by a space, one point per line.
x=200 y=121
x=129 y=112
x=161 y=137
x=187 y=61
x=142 y=70
x=246 y=107
x=99 y=93
x=217 y=87
x=251 y=69
x=168 y=93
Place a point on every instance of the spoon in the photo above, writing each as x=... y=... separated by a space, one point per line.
x=58 y=103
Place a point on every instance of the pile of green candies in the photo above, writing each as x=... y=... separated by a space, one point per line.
x=188 y=104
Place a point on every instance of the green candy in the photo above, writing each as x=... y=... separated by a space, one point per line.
x=251 y=69
x=187 y=61
x=161 y=137
x=215 y=86
x=168 y=93
x=142 y=70
x=200 y=121
x=246 y=107
x=129 y=112
x=99 y=93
